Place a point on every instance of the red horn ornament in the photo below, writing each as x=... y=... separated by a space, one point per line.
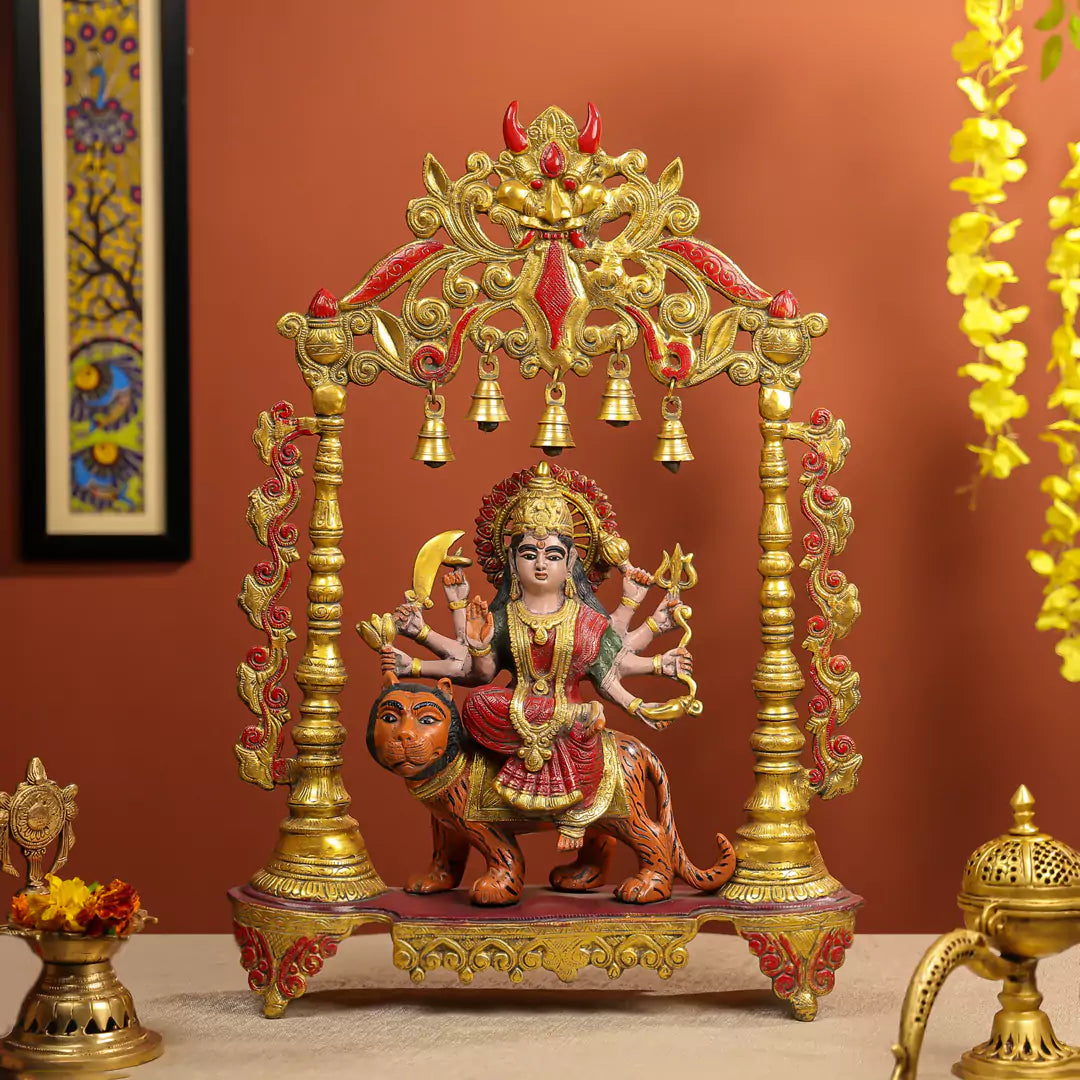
x=589 y=139
x=513 y=132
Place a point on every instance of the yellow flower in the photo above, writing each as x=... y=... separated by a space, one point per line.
x=1010 y=50
x=982 y=322
x=996 y=405
x=65 y=900
x=1000 y=460
x=972 y=51
x=973 y=275
x=1068 y=649
x=986 y=16
x=968 y=232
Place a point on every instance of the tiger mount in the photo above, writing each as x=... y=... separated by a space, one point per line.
x=516 y=242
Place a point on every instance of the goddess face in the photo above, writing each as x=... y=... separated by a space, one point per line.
x=411 y=731
x=542 y=564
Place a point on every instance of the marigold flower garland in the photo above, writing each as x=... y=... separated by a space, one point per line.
x=71 y=906
x=988 y=56
x=1061 y=564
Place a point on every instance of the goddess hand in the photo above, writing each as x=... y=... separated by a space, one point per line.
x=662 y=614
x=408 y=619
x=636 y=582
x=479 y=623
x=455 y=586
x=676 y=662
x=594 y=721
x=402 y=661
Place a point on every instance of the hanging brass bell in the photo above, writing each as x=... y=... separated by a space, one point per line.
x=553 y=434
x=672 y=445
x=618 y=406
x=488 y=409
x=433 y=443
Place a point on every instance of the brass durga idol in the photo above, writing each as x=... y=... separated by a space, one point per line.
x=534 y=754
x=545 y=258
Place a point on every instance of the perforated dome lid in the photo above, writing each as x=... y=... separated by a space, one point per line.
x=1023 y=863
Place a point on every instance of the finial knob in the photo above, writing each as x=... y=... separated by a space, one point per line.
x=1023 y=808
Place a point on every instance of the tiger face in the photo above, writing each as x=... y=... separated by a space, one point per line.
x=411 y=728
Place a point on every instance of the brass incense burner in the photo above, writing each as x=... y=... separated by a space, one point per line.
x=1020 y=897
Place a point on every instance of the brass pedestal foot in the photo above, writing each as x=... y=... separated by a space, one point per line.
x=279 y=949
x=1022 y=1042
x=800 y=954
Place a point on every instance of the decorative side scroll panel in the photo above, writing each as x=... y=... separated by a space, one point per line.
x=835 y=681
x=260 y=674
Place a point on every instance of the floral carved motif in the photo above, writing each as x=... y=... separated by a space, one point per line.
x=259 y=675
x=836 y=683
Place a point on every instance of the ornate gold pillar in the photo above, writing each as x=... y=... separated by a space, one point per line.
x=320 y=854
x=778 y=854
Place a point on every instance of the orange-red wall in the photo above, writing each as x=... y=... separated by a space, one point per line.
x=815 y=140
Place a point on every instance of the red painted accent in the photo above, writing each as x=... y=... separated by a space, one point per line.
x=784 y=305
x=453 y=357
x=428 y=363
x=830 y=956
x=553 y=293
x=304 y=957
x=717 y=268
x=394 y=268
x=649 y=332
x=589 y=139
x=536 y=184
x=576 y=238
x=526 y=240
x=570 y=184
x=685 y=355
x=552 y=160
x=323 y=305
x=777 y=959
x=255 y=957
x=513 y=132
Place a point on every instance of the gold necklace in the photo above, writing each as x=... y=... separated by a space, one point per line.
x=536 y=740
x=540 y=624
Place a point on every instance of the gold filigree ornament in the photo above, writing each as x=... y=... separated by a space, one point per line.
x=1020 y=899
x=39 y=812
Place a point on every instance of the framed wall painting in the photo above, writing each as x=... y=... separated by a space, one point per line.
x=103 y=278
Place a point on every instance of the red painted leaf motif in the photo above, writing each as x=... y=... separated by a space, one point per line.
x=717 y=268
x=552 y=293
x=391 y=270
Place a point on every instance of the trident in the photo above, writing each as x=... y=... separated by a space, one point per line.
x=675 y=574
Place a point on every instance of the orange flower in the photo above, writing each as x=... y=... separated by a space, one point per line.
x=111 y=908
x=20 y=911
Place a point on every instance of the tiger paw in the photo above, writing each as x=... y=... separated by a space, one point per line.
x=576 y=878
x=644 y=887
x=494 y=890
x=435 y=880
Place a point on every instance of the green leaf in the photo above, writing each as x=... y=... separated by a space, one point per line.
x=1054 y=14
x=1074 y=30
x=1051 y=55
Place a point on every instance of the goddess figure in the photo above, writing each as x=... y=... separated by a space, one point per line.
x=548 y=630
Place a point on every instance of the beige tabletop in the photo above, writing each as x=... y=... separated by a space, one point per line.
x=716 y=1018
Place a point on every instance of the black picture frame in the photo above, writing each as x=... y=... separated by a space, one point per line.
x=173 y=542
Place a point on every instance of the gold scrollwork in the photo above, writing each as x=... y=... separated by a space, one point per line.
x=563 y=949
x=260 y=674
x=836 y=763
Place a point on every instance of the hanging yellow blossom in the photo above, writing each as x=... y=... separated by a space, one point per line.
x=991 y=145
x=1060 y=565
